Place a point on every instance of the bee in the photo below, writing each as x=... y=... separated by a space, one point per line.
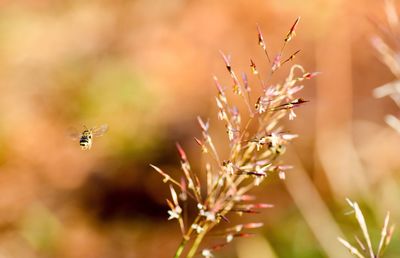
x=86 y=137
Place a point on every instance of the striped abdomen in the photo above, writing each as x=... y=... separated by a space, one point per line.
x=86 y=141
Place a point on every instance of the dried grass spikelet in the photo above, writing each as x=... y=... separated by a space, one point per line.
x=256 y=140
x=387 y=46
x=365 y=249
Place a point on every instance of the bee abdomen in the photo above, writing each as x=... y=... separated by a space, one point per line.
x=84 y=142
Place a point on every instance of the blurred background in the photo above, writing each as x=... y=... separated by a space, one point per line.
x=145 y=68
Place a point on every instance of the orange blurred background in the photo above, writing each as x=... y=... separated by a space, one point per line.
x=145 y=68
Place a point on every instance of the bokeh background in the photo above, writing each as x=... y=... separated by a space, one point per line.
x=145 y=68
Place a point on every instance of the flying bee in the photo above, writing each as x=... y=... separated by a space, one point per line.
x=86 y=137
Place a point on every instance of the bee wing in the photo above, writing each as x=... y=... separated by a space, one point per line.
x=99 y=131
x=73 y=134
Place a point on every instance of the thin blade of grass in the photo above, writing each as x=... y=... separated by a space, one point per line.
x=354 y=251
